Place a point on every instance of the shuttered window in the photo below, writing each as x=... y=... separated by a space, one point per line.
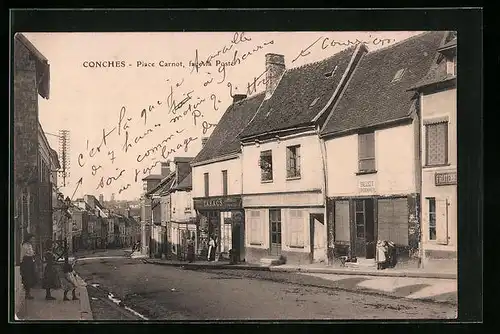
x=442 y=221
x=393 y=220
x=296 y=228
x=342 y=231
x=366 y=152
x=293 y=161
x=436 y=143
x=255 y=225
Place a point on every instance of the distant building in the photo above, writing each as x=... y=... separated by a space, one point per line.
x=101 y=198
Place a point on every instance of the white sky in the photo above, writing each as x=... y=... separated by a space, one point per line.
x=87 y=100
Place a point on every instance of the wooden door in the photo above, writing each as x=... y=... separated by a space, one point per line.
x=364 y=222
x=275 y=232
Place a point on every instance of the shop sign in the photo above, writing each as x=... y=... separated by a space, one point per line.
x=444 y=179
x=367 y=186
x=217 y=203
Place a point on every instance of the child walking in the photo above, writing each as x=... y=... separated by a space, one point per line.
x=69 y=280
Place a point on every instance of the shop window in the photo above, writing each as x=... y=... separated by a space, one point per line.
x=436 y=144
x=266 y=165
x=206 y=180
x=224 y=182
x=431 y=203
x=360 y=218
x=293 y=161
x=366 y=152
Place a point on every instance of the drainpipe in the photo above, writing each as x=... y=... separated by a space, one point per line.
x=322 y=144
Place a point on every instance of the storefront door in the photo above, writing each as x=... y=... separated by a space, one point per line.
x=364 y=223
x=275 y=232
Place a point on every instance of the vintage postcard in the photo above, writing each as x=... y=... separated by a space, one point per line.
x=235 y=175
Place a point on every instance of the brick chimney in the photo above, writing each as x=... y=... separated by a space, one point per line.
x=275 y=67
x=165 y=168
x=239 y=97
x=205 y=139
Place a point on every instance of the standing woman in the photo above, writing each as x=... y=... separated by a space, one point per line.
x=211 y=248
x=50 y=274
x=28 y=272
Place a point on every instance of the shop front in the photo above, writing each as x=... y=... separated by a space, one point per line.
x=287 y=226
x=355 y=224
x=221 y=217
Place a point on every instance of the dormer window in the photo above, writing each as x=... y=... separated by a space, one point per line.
x=451 y=66
x=399 y=75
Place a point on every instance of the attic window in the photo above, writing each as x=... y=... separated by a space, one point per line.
x=398 y=75
x=314 y=102
x=329 y=74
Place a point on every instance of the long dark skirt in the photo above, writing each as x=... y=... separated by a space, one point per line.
x=28 y=272
x=51 y=278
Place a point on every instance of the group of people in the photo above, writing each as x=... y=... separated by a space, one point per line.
x=54 y=276
x=191 y=251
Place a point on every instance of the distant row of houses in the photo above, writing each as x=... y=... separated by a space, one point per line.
x=332 y=157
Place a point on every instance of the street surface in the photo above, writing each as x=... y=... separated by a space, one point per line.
x=123 y=288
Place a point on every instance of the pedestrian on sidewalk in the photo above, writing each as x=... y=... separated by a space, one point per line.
x=68 y=280
x=28 y=271
x=50 y=276
x=211 y=249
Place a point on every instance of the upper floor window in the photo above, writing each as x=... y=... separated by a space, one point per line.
x=224 y=182
x=206 y=180
x=366 y=152
x=293 y=161
x=436 y=144
x=266 y=165
x=451 y=66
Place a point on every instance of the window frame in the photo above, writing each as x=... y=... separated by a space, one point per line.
x=431 y=216
x=262 y=171
x=446 y=144
x=295 y=149
x=366 y=158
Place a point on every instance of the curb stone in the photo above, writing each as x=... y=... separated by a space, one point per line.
x=85 y=310
x=307 y=270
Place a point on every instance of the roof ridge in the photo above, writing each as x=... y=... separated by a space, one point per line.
x=324 y=59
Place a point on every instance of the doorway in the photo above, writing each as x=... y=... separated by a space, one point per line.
x=275 y=232
x=364 y=226
x=317 y=237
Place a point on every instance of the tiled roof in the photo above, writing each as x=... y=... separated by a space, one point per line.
x=371 y=96
x=301 y=94
x=437 y=74
x=186 y=183
x=166 y=188
x=225 y=137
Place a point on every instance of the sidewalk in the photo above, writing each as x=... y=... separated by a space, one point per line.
x=41 y=309
x=430 y=272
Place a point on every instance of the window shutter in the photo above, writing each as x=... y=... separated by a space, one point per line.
x=296 y=227
x=255 y=230
x=361 y=146
x=342 y=229
x=442 y=221
x=370 y=145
